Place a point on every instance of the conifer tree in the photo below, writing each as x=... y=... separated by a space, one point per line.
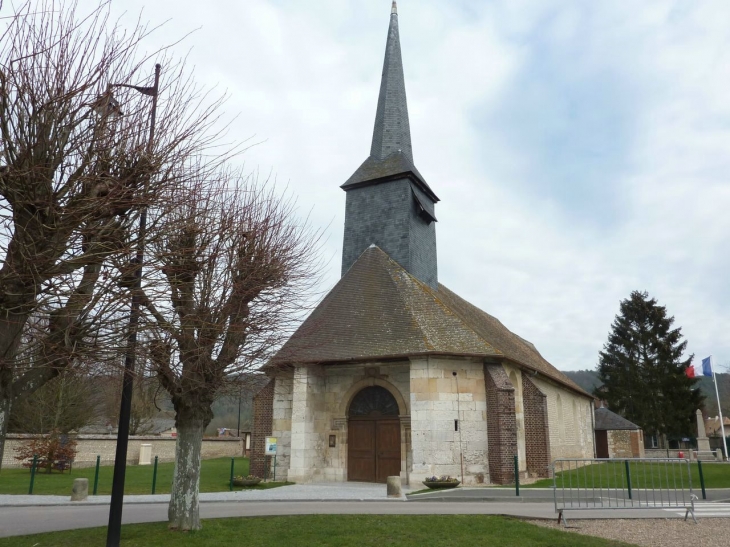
x=642 y=370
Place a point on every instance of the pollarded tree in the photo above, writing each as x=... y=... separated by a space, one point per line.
x=642 y=369
x=226 y=282
x=75 y=168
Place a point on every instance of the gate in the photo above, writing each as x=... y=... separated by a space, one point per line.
x=641 y=483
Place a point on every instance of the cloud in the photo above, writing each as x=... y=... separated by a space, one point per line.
x=580 y=149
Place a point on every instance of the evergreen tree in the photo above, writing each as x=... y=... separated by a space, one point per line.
x=643 y=373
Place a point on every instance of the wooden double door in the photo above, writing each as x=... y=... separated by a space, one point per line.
x=373 y=449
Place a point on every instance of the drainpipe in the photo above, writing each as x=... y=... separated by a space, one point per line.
x=406 y=432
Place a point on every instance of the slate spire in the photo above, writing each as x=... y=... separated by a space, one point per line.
x=388 y=202
x=392 y=131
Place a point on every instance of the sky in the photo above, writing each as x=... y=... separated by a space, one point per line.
x=581 y=150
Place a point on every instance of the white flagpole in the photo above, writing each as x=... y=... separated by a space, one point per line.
x=719 y=409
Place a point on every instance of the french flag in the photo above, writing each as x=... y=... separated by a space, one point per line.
x=705 y=369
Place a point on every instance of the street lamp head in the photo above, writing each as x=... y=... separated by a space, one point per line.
x=107 y=106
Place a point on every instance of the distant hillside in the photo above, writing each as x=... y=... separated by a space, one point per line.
x=588 y=380
x=227 y=404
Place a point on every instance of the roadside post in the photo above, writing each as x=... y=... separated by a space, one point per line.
x=154 y=475
x=702 y=479
x=96 y=475
x=32 y=473
x=230 y=482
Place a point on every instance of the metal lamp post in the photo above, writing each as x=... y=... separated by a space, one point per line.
x=114 y=527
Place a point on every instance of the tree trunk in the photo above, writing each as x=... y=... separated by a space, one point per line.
x=184 y=512
x=4 y=419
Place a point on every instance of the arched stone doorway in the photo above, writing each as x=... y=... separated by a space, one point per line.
x=373 y=436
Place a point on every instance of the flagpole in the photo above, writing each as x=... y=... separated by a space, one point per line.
x=719 y=409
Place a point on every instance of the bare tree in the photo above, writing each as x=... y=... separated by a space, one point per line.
x=233 y=264
x=147 y=395
x=74 y=172
x=66 y=403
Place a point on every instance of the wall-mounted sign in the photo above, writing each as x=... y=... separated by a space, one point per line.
x=270 y=446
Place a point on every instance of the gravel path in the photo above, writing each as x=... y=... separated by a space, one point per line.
x=710 y=532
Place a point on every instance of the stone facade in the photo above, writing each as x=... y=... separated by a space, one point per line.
x=624 y=443
x=311 y=403
x=570 y=420
x=479 y=418
x=448 y=417
x=89 y=446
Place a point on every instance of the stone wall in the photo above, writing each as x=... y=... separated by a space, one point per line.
x=438 y=399
x=619 y=444
x=501 y=424
x=308 y=424
x=496 y=421
x=570 y=420
x=310 y=404
x=89 y=446
x=624 y=443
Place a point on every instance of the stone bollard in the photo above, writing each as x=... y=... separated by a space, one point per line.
x=80 y=490
x=394 y=487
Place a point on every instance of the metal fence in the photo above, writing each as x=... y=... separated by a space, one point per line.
x=155 y=478
x=646 y=483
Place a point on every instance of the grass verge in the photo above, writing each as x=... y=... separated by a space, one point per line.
x=717 y=475
x=329 y=531
x=214 y=477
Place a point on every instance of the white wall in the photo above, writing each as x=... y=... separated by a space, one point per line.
x=435 y=404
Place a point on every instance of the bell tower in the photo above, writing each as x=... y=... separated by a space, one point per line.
x=388 y=202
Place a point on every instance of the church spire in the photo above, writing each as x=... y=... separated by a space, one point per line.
x=392 y=131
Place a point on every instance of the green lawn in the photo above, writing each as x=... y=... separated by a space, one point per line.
x=214 y=477
x=329 y=531
x=717 y=475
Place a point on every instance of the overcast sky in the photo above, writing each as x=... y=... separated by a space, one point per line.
x=580 y=149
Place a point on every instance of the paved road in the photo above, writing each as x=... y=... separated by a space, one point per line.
x=333 y=491
x=33 y=514
x=546 y=494
x=705 y=510
x=28 y=520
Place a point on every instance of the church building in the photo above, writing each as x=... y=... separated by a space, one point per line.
x=393 y=373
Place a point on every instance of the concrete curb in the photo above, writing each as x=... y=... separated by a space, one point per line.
x=65 y=502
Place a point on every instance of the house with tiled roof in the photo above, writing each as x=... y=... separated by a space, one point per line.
x=617 y=437
x=395 y=374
